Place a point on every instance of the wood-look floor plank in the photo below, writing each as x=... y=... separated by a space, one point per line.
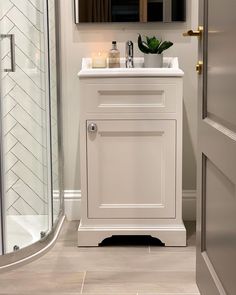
x=109 y=270
x=116 y=261
x=23 y=282
x=140 y=282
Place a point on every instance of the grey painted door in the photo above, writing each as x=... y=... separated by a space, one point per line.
x=216 y=249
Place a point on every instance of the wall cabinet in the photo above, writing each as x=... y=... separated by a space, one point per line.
x=131 y=158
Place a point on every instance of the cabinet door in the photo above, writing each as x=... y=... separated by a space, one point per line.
x=131 y=169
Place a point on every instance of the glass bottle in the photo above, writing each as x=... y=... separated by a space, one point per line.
x=114 y=56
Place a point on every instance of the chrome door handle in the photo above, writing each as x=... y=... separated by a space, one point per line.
x=92 y=128
x=13 y=52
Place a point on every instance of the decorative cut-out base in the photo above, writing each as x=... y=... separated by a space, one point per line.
x=170 y=235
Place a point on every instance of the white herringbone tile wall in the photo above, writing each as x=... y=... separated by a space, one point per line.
x=24 y=108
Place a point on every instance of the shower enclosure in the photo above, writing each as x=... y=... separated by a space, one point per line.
x=31 y=181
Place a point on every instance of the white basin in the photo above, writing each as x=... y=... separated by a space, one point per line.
x=170 y=69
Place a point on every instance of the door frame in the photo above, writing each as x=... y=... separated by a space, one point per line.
x=205 y=271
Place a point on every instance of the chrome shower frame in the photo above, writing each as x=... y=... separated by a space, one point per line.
x=27 y=254
x=1 y=179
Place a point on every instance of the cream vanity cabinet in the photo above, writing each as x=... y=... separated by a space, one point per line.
x=131 y=153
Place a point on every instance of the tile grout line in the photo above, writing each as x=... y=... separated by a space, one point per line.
x=82 y=286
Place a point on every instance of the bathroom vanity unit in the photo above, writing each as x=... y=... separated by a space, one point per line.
x=131 y=152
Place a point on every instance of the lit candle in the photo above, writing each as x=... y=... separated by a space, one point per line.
x=99 y=60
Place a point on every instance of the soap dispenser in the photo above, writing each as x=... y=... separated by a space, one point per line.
x=114 y=56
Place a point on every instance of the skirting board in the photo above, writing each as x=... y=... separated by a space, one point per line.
x=73 y=204
x=189 y=205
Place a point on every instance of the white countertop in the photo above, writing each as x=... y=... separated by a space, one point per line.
x=170 y=69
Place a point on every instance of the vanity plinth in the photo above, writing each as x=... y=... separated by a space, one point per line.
x=131 y=153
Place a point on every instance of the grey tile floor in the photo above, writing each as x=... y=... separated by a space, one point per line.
x=142 y=270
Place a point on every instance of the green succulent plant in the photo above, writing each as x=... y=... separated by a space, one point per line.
x=153 y=45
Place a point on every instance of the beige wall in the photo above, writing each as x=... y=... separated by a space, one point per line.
x=79 y=41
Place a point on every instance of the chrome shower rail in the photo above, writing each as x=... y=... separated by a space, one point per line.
x=32 y=252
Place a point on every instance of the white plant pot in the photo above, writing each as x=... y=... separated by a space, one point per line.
x=153 y=60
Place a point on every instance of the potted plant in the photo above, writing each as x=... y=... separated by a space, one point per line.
x=153 y=51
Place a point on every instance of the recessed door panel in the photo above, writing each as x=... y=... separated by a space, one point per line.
x=220 y=223
x=131 y=169
x=221 y=102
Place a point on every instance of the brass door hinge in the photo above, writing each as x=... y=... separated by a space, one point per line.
x=199 y=67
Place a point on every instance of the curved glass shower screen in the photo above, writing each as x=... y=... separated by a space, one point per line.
x=29 y=114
